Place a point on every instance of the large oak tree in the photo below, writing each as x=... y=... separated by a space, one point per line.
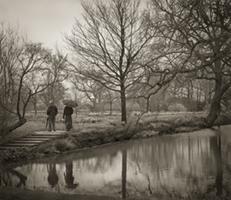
x=202 y=29
x=110 y=43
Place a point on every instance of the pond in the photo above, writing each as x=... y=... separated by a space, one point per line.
x=160 y=166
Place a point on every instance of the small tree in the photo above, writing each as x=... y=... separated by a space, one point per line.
x=23 y=68
x=92 y=90
x=57 y=70
x=151 y=83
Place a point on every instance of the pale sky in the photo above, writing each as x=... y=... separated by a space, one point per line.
x=43 y=21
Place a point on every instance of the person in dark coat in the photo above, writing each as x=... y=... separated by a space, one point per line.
x=68 y=111
x=52 y=111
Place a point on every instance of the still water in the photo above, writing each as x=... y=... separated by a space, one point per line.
x=183 y=164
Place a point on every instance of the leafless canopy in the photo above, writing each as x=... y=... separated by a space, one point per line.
x=23 y=70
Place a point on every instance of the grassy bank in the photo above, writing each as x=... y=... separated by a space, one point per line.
x=98 y=130
x=20 y=194
x=17 y=194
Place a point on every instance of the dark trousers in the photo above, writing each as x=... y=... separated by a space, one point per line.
x=51 y=123
x=68 y=122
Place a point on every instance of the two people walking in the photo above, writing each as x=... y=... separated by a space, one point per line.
x=52 y=111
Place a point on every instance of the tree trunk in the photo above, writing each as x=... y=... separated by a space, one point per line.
x=94 y=109
x=35 y=107
x=123 y=104
x=215 y=145
x=19 y=98
x=189 y=90
x=35 y=110
x=147 y=104
x=110 y=107
x=14 y=126
x=215 y=106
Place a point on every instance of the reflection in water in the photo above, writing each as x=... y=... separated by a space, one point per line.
x=52 y=175
x=124 y=173
x=7 y=177
x=181 y=164
x=216 y=149
x=69 y=178
x=219 y=175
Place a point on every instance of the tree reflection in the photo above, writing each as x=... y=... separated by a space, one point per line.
x=101 y=162
x=215 y=144
x=124 y=173
x=219 y=174
x=68 y=175
x=52 y=175
x=7 y=177
x=181 y=164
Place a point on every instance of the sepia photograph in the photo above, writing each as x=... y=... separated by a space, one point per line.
x=115 y=99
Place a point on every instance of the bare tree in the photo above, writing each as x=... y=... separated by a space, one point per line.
x=9 y=51
x=110 y=97
x=57 y=70
x=92 y=90
x=31 y=63
x=111 y=43
x=202 y=29
x=23 y=68
x=152 y=82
